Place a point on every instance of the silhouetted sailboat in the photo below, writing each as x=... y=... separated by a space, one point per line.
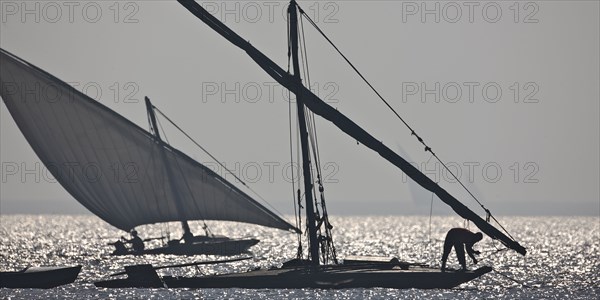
x=320 y=269
x=122 y=173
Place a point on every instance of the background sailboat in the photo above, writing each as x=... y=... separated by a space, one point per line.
x=120 y=172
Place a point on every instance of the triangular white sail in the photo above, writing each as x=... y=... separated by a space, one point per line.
x=112 y=166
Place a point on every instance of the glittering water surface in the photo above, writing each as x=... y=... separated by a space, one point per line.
x=563 y=259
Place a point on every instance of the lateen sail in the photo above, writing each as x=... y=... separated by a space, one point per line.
x=112 y=166
x=319 y=107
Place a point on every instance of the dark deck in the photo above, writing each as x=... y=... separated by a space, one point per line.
x=327 y=277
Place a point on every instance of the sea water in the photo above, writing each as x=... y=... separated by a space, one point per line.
x=562 y=262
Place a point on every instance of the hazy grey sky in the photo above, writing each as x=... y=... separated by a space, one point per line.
x=507 y=93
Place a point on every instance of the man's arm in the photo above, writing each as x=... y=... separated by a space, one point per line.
x=472 y=252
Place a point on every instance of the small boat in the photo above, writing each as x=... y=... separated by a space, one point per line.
x=208 y=245
x=39 y=277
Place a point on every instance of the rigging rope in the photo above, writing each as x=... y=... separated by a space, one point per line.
x=196 y=143
x=430 y=214
x=510 y=278
x=328 y=250
x=217 y=161
x=152 y=130
x=297 y=209
x=427 y=148
x=181 y=171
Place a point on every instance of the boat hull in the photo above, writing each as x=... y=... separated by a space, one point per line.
x=328 y=277
x=40 y=278
x=222 y=247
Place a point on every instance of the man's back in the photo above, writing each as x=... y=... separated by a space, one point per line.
x=137 y=243
x=460 y=235
x=460 y=238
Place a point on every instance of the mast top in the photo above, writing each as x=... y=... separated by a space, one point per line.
x=152 y=118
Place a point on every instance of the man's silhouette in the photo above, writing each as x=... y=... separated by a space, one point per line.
x=459 y=238
x=136 y=242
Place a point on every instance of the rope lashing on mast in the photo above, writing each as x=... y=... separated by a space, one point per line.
x=413 y=132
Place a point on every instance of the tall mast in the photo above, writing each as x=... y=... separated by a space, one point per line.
x=152 y=118
x=308 y=182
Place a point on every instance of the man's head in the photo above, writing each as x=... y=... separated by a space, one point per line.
x=134 y=233
x=478 y=237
